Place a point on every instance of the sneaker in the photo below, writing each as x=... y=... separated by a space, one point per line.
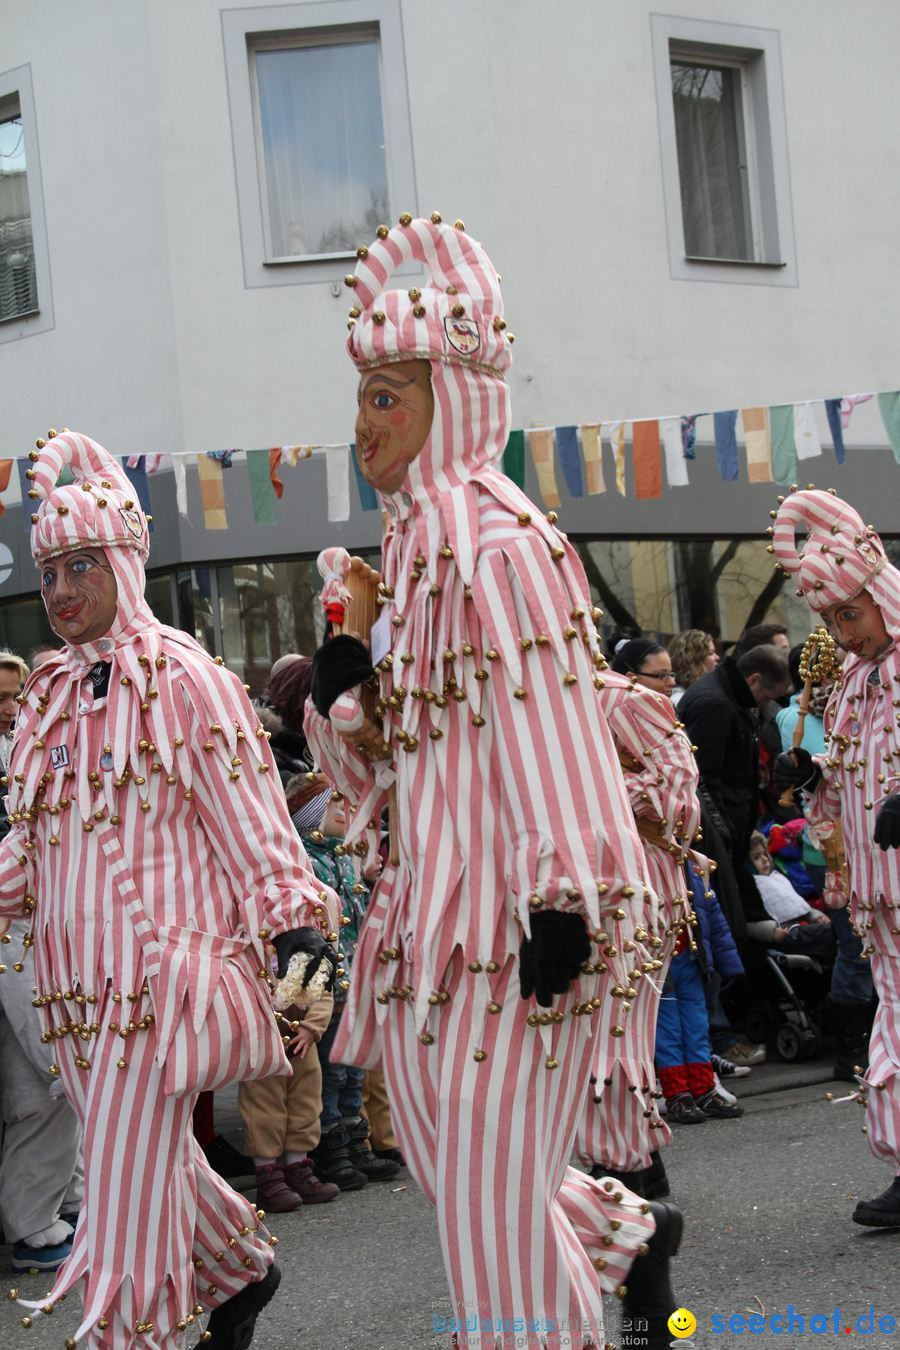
x=683 y=1110
x=40 y=1260
x=743 y=1054
x=231 y=1325
x=723 y=1092
x=714 y=1107
x=725 y=1068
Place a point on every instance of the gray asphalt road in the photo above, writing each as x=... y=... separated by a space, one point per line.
x=767 y=1201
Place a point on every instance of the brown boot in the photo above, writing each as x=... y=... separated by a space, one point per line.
x=302 y=1179
x=273 y=1194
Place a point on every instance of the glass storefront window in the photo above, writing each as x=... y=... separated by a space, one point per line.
x=267 y=609
x=662 y=586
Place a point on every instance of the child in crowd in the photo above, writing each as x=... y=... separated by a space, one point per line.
x=281 y=1116
x=683 y=1059
x=344 y=1156
x=793 y=925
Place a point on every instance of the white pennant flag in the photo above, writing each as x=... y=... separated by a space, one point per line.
x=337 y=467
x=806 y=433
x=676 y=464
x=179 y=469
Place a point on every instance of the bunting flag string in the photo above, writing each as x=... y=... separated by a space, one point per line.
x=758 y=443
x=616 y=433
x=212 y=492
x=775 y=438
x=673 y=450
x=593 y=458
x=541 y=443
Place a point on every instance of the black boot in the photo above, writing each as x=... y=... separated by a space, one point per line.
x=331 y=1160
x=364 y=1160
x=852 y=1041
x=649 y=1301
x=883 y=1211
x=655 y=1179
x=651 y=1183
x=230 y=1326
x=225 y=1159
x=632 y=1181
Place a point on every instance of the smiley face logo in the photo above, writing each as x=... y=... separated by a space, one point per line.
x=682 y=1323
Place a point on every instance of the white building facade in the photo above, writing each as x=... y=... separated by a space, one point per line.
x=691 y=211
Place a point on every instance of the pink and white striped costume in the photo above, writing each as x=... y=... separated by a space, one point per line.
x=840 y=557
x=620 y=1126
x=173 y=760
x=509 y=798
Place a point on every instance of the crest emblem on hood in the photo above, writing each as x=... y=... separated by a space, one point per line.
x=134 y=523
x=463 y=335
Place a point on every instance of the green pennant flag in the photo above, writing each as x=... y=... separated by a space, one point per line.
x=889 y=406
x=514 y=458
x=261 y=489
x=784 y=448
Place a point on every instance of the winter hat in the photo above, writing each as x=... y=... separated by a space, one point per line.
x=840 y=556
x=454 y=321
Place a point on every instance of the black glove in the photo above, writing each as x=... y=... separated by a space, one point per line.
x=552 y=957
x=339 y=664
x=311 y=942
x=795 y=769
x=887 y=824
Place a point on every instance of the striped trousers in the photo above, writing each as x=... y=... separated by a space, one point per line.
x=161 y=1237
x=883 y=1073
x=487 y=1130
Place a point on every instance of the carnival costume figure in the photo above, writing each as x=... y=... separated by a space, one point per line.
x=518 y=883
x=842 y=571
x=152 y=850
x=621 y=1129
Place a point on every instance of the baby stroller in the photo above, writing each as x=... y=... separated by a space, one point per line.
x=783 y=1001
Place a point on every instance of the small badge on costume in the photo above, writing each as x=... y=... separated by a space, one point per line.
x=106 y=761
x=463 y=335
x=59 y=756
x=134 y=522
x=380 y=638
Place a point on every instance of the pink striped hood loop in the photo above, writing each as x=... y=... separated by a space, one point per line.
x=454 y=321
x=99 y=510
x=839 y=557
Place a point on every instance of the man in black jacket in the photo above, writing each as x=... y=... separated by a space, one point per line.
x=721 y=714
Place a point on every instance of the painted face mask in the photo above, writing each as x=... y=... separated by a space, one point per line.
x=97 y=519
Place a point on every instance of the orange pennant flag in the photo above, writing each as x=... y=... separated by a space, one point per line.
x=647 y=462
x=212 y=493
x=274 y=461
x=5 y=471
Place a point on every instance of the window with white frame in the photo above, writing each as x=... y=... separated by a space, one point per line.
x=714 y=137
x=724 y=151
x=25 y=300
x=320 y=143
x=18 y=282
x=320 y=119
